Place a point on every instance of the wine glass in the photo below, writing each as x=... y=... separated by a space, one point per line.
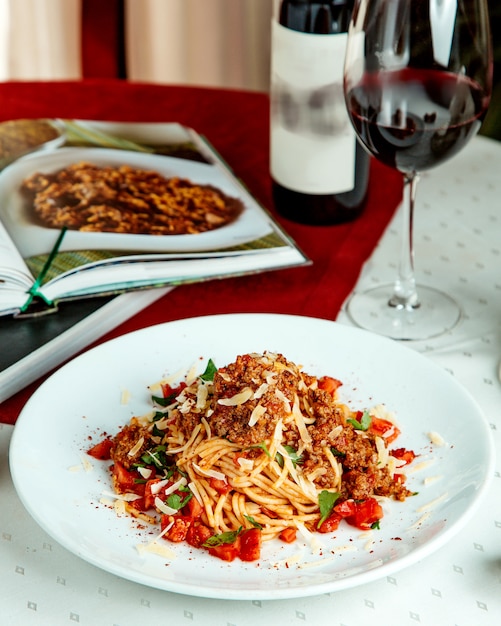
x=417 y=84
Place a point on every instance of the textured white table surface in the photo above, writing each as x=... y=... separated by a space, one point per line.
x=458 y=247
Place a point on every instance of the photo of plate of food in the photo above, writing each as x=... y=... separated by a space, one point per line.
x=251 y=456
x=119 y=200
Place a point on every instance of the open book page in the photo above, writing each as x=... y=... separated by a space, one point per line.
x=15 y=278
x=128 y=202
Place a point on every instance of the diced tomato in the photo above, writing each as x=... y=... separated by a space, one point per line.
x=221 y=486
x=404 y=455
x=125 y=480
x=345 y=508
x=250 y=544
x=101 y=450
x=198 y=534
x=179 y=529
x=226 y=551
x=381 y=426
x=149 y=497
x=367 y=512
x=288 y=535
x=329 y=384
x=330 y=524
x=168 y=390
x=193 y=508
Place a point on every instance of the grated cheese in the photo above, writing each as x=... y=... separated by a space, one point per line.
x=210 y=473
x=300 y=423
x=281 y=396
x=163 y=508
x=145 y=472
x=239 y=398
x=125 y=397
x=260 y=391
x=125 y=497
x=245 y=464
x=136 y=447
x=436 y=439
x=257 y=412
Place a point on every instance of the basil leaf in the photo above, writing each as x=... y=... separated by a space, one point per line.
x=210 y=370
x=161 y=401
x=252 y=521
x=263 y=447
x=175 y=501
x=228 y=537
x=295 y=458
x=326 y=502
x=337 y=452
x=364 y=422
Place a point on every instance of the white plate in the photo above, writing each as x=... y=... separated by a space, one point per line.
x=83 y=399
x=33 y=239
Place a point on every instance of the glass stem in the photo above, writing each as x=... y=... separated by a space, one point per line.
x=404 y=294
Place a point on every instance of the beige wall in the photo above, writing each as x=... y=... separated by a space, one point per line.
x=40 y=39
x=205 y=42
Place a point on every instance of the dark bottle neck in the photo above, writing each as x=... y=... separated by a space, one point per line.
x=319 y=18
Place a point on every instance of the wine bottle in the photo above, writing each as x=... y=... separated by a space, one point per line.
x=319 y=170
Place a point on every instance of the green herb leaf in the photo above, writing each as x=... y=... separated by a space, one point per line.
x=364 y=422
x=326 y=502
x=263 y=447
x=337 y=452
x=161 y=401
x=376 y=525
x=228 y=537
x=210 y=370
x=252 y=521
x=176 y=502
x=292 y=454
x=157 y=457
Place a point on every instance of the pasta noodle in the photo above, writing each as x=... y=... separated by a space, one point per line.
x=258 y=445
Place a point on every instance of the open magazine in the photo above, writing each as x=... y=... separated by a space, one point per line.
x=104 y=208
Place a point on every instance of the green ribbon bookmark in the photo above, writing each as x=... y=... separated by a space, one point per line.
x=34 y=291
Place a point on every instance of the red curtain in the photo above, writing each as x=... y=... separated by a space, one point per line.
x=103 y=50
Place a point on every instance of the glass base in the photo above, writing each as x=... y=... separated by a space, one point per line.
x=436 y=314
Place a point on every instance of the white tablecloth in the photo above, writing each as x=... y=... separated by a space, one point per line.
x=458 y=247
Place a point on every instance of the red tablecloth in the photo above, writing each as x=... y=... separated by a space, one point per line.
x=236 y=123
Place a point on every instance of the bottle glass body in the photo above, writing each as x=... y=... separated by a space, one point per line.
x=320 y=172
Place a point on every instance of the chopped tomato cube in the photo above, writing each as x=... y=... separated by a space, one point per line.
x=124 y=479
x=168 y=391
x=149 y=497
x=288 y=535
x=330 y=524
x=329 y=384
x=250 y=544
x=367 y=512
x=193 y=508
x=345 y=508
x=221 y=486
x=226 y=551
x=404 y=455
x=101 y=450
x=179 y=529
x=198 y=534
x=381 y=426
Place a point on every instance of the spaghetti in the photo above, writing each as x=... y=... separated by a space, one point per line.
x=255 y=451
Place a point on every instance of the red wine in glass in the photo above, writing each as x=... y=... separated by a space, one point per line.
x=417 y=84
x=442 y=112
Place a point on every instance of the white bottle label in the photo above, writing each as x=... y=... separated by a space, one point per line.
x=312 y=140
